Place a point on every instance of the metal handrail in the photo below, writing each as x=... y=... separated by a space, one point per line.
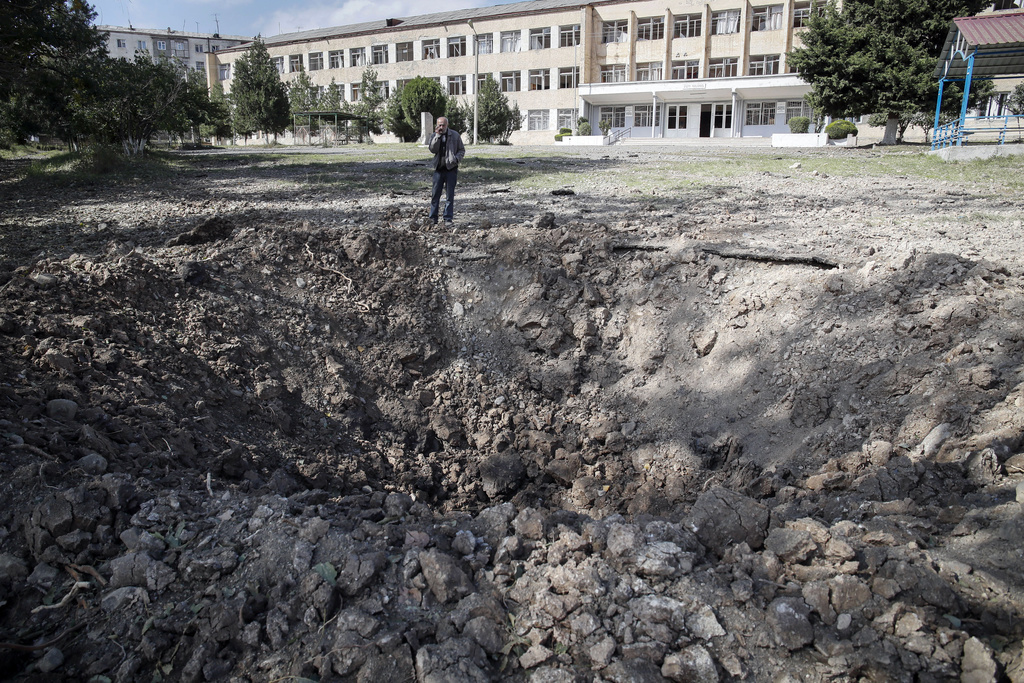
x=619 y=134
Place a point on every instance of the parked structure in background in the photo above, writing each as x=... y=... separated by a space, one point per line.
x=191 y=49
x=681 y=69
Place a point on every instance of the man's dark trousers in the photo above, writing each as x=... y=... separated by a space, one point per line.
x=443 y=179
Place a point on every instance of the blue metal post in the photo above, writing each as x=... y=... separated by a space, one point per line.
x=967 y=94
x=938 y=105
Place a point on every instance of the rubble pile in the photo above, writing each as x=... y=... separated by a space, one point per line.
x=565 y=447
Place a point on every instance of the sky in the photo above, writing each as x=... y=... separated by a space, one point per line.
x=264 y=17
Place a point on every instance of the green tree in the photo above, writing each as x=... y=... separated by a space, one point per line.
x=419 y=95
x=876 y=56
x=1015 y=103
x=371 y=101
x=140 y=97
x=332 y=99
x=49 y=57
x=218 y=121
x=258 y=96
x=496 y=120
x=460 y=117
x=394 y=118
x=302 y=94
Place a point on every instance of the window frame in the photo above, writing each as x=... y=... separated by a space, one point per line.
x=538 y=119
x=572 y=73
x=650 y=28
x=278 y=63
x=294 y=63
x=760 y=113
x=336 y=59
x=653 y=71
x=540 y=38
x=614 y=73
x=724 y=65
x=512 y=39
x=616 y=31
x=514 y=81
x=569 y=35
x=766 y=18
x=122 y=43
x=540 y=77
x=484 y=40
x=356 y=56
x=459 y=45
x=460 y=81
x=688 y=26
x=315 y=61
x=765 y=65
x=689 y=68
x=727 y=18
x=404 y=52
x=566 y=118
x=676 y=114
x=430 y=48
x=650 y=112
x=224 y=72
x=381 y=51
x=614 y=114
x=161 y=45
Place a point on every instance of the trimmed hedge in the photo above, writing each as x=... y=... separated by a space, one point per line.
x=838 y=130
x=799 y=124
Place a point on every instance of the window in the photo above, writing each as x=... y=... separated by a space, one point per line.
x=723 y=67
x=724 y=22
x=651 y=28
x=385 y=89
x=797 y=108
x=767 y=18
x=484 y=44
x=723 y=116
x=510 y=41
x=615 y=116
x=646 y=116
x=316 y=61
x=294 y=63
x=613 y=73
x=760 y=114
x=121 y=42
x=456 y=85
x=200 y=66
x=379 y=54
x=540 y=79
x=224 y=72
x=355 y=92
x=567 y=118
x=456 y=46
x=686 y=70
x=569 y=36
x=432 y=48
x=648 y=71
x=198 y=49
x=615 y=31
x=568 y=76
x=687 y=26
x=763 y=65
x=403 y=52
x=540 y=38
x=278 y=64
x=214 y=48
x=401 y=83
x=677 y=116
x=142 y=45
x=179 y=46
x=511 y=81
x=481 y=79
x=802 y=12
x=336 y=59
x=357 y=56
x=538 y=119
x=161 y=44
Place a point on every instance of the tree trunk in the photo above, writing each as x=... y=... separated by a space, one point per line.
x=891 y=128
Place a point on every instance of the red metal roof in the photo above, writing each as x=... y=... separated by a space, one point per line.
x=992 y=29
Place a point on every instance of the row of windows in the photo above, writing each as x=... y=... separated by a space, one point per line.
x=766 y=18
x=540 y=119
x=722 y=67
x=162 y=46
x=768 y=113
x=646 y=115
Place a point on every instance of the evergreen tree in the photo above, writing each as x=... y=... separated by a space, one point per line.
x=460 y=117
x=496 y=120
x=218 y=121
x=49 y=59
x=419 y=95
x=332 y=98
x=394 y=118
x=371 y=101
x=1015 y=103
x=259 y=97
x=876 y=56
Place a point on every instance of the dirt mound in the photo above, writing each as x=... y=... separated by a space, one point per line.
x=557 y=449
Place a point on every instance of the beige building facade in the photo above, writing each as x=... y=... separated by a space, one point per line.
x=190 y=49
x=681 y=69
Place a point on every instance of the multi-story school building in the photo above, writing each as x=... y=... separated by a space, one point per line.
x=675 y=69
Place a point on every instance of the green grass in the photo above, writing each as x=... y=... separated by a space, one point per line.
x=104 y=165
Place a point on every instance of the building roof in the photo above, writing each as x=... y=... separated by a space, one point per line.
x=169 y=31
x=461 y=16
x=995 y=40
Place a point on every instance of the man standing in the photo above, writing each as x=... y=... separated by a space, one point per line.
x=448 y=150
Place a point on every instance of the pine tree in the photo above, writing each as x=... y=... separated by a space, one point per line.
x=496 y=120
x=419 y=95
x=876 y=56
x=371 y=101
x=258 y=95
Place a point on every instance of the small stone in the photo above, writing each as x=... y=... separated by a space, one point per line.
x=788 y=618
x=704 y=625
x=300 y=282
x=62 y=409
x=791 y=545
x=51 y=661
x=977 y=665
x=705 y=342
x=844 y=621
x=693 y=664
x=44 y=280
x=601 y=653
x=93 y=463
x=534 y=656
x=458 y=310
x=12 y=568
x=936 y=437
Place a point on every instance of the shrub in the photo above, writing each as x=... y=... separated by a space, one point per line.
x=605 y=125
x=838 y=130
x=799 y=124
x=565 y=131
x=558 y=138
x=584 y=128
